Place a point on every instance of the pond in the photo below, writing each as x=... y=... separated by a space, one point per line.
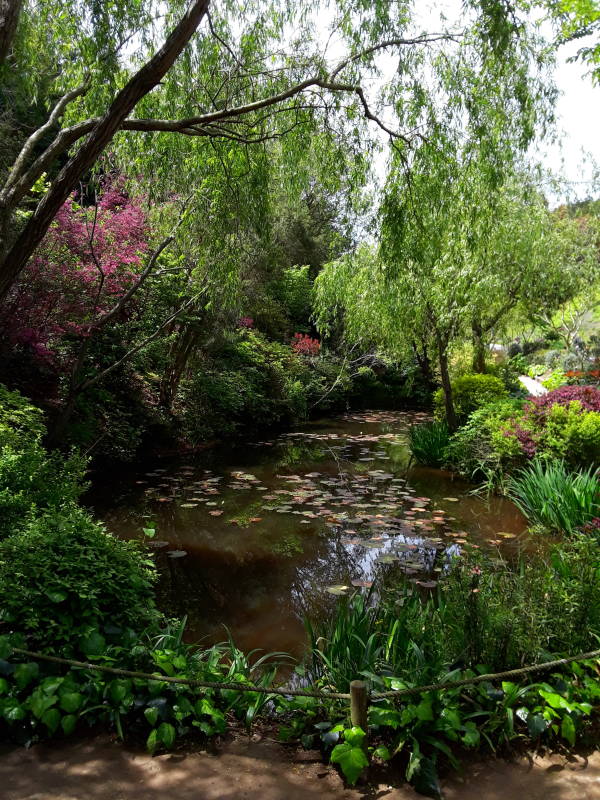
x=254 y=538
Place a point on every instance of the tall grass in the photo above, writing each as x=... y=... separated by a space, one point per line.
x=428 y=442
x=550 y=495
x=486 y=612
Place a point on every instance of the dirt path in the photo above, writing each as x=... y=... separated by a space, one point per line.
x=99 y=769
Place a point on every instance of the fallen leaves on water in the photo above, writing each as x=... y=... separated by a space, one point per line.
x=215 y=513
x=177 y=553
x=337 y=589
x=362 y=584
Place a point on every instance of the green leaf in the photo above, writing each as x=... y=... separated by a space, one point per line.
x=3 y=686
x=352 y=760
x=51 y=719
x=68 y=723
x=166 y=734
x=12 y=710
x=94 y=644
x=151 y=715
x=118 y=690
x=424 y=711
x=355 y=736
x=39 y=703
x=56 y=597
x=152 y=740
x=25 y=673
x=382 y=752
x=149 y=532
x=536 y=725
x=425 y=779
x=71 y=701
x=567 y=729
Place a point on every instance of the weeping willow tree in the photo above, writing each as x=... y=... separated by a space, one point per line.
x=175 y=84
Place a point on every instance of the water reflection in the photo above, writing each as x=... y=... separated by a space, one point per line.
x=254 y=538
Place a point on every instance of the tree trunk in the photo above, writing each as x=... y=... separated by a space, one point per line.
x=68 y=178
x=181 y=351
x=479 y=348
x=10 y=11
x=446 y=385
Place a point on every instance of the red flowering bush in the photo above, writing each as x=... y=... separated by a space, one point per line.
x=246 y=322
x=88 y=259
x=587 y=396
x=305 y=345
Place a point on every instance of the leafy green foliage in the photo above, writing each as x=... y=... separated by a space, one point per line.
x=31 y=480
x=65 y=581
x=351 y=755
x=470 y=392
x=428 y=442
x=552 y=496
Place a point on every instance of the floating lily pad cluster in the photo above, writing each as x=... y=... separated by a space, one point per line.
x=372 y=512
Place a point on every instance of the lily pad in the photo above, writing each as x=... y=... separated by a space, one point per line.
x=338 y=589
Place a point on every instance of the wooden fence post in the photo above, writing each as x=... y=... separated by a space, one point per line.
x=358 y=706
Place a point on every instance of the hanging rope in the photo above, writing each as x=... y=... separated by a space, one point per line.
x=242 y=687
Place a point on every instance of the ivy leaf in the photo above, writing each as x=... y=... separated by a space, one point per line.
x=152 y=741
x=68 y=723
x=382 y=752
x=567 y=729
x=166 y=734
x=25 y=673
x=151 y=715
x=352 y=760
x=93 y=644
x=71 y=701
x=425 y=779
x=51 y=719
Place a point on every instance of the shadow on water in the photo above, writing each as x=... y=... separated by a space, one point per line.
x=255 y=537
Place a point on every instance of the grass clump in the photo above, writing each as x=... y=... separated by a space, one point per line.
x=550 y=495
x=428 y=442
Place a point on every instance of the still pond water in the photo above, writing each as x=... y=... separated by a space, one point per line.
x=256 y=537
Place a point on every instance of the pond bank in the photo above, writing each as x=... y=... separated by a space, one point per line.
x=242 y=767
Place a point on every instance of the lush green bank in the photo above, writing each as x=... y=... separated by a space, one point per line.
x=71 y=589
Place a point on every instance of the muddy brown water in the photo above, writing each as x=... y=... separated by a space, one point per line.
x=251 y=539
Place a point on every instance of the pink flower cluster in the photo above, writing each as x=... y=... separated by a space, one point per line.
x=88 y=259
x=305 y=345
x=245 y=322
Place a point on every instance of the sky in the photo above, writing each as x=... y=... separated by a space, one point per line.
x=578 y=111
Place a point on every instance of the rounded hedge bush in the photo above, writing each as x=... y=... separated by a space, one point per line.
x=470 y=392
x=64 y=577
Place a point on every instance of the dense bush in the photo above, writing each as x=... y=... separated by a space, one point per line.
x=587 y=396
x=63 y=577
x=31 y=480
x=480 y=449
x=470 y=392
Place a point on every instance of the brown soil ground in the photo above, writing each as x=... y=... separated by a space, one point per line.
x=100 y=769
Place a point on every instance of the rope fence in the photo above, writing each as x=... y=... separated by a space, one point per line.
x=285 y=692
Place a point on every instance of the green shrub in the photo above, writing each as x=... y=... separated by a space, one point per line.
x=550 y=495
x=480 y=449
x=556 y=378
x=31 y=479
x=63 y=576
x=428 y=442
x=469 y=393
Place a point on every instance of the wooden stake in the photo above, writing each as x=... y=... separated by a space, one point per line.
x=358 y=706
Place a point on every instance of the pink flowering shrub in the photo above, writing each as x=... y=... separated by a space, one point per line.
x=88 y=259
x=246 y=322
x=564 y=423
x=304 y=345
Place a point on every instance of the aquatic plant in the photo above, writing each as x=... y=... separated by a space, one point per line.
x=550 y=495
x=428 y=442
